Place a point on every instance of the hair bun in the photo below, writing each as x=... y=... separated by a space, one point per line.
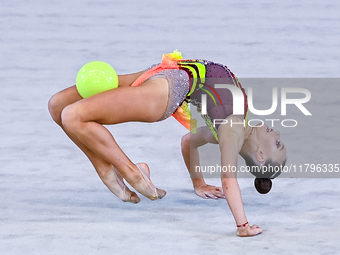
x=263 y=186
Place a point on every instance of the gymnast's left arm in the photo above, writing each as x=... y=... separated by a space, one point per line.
x=230 y=141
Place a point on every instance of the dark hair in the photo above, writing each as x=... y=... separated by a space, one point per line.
x=270 y=169
x=263 y=186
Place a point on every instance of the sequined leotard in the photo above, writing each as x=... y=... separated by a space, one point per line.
x=219 y=101
x=188 y=80
x=178 y=81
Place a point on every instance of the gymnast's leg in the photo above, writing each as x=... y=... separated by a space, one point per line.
x=83 y=120
x=105 y=170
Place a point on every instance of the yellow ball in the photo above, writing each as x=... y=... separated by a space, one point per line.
x=96 y=77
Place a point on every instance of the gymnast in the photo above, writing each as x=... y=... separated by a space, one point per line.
x=152 y=95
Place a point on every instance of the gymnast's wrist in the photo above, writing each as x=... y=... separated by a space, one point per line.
x=242 y=225
x=198 y=182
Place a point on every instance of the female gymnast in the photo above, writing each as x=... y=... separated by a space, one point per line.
x=154 y=95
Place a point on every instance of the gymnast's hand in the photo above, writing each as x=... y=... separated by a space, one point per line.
x=209 y=191
x=249 y=230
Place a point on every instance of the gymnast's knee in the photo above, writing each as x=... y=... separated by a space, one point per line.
x=70 y=117
x=55 y=108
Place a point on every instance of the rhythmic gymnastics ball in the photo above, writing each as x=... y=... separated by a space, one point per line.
x=96 y=77
x=263 y=186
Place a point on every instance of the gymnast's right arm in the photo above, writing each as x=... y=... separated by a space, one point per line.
x=189 y=144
